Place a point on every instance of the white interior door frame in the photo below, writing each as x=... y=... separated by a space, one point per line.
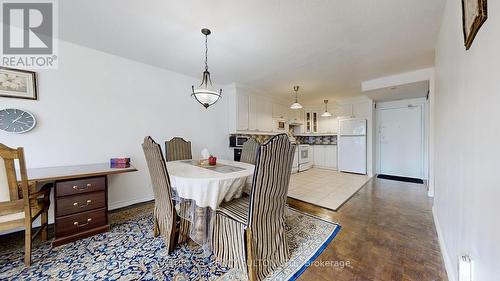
x=420 y=105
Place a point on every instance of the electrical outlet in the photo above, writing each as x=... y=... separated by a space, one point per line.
x=465 y=268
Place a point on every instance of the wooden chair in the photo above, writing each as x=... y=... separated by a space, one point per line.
x=178 y=149
x=249 y=151
x=21 y=203
x=172 y=228
x=249 y=233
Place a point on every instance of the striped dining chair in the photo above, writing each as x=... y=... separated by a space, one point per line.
x=249 y=151
x=178 y=149
x=249 y=233
x=166 y=222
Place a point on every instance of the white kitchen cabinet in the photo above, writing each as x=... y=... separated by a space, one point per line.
x=265 y=115
x=242 y=111
x=331 y=156
x=260 y=115
x=325 y=156
x=312 y=121
x=253 y=113
x=319 y=158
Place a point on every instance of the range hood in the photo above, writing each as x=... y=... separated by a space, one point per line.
x=295 y=122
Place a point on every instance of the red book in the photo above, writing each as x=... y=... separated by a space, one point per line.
x=120 y=160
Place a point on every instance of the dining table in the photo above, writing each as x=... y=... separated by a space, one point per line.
x=203 y=188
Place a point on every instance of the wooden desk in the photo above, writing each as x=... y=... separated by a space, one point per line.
x=81 y=198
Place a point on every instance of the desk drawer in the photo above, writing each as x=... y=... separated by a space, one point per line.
x=65 y=188
x=79 y=203
x=80 y=222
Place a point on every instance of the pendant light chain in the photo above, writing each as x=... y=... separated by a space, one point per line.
x=206 y=52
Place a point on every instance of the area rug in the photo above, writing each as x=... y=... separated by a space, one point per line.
x=325 y=188
x=130 y=252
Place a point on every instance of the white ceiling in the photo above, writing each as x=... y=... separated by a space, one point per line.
x=328 y=47
x=401 y=92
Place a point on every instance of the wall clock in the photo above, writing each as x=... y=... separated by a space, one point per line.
x=16 y=121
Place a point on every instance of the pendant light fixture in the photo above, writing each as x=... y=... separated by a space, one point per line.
x=326 y=113
x=206 y=94
x=296 y=104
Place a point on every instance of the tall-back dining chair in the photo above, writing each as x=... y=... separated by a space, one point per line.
x=249 y=232
x=178 y=149
x=249 y=151
x=166 y=222
x=20 y=202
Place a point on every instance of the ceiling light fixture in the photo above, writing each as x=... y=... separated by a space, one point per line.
x=326 y=113
x=296 y=104
x=206 y=94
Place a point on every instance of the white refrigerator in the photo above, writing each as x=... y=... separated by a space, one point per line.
x=352 y=145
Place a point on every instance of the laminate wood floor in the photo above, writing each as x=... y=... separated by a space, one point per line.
x=387 y=234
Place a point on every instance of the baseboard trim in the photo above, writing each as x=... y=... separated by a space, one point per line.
x=125 y=203
x=447 y=261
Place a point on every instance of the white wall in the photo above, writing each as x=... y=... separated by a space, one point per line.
x=97 y=106
x=467 y=116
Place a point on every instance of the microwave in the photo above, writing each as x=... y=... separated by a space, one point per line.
x=237 y=141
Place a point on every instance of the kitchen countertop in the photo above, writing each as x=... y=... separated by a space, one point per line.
x=315 y=134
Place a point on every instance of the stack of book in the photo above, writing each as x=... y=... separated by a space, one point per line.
x=120 y=163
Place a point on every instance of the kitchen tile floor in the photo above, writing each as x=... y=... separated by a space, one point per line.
x=325 y=188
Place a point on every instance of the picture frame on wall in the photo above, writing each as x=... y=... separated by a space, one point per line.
x=474 y=14
x=18 y=83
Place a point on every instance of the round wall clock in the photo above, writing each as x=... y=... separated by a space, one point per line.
x=16 y=121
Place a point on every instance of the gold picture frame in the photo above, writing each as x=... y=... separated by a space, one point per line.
x=18 y=83
x=474 y=14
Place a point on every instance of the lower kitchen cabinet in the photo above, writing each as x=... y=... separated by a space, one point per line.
x=325 y=156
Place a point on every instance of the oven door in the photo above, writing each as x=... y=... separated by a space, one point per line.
x=303 y=155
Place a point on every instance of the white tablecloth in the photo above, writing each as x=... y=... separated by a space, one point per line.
x=207 y=189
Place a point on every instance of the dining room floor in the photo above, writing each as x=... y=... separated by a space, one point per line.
x=325 y=188
x=388 y=233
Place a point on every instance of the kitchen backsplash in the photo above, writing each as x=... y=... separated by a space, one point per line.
x=317 y=139
x=301 y=139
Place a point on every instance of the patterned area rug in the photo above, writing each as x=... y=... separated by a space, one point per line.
x=130 y=252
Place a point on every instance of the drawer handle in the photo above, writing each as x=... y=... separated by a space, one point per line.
x=88 y=203
x=76 y=187
x=77 y=224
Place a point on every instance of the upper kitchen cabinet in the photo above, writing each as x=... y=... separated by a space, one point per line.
x=253 y=113
x=242 y=112
x=265 y=120
x=312 y=121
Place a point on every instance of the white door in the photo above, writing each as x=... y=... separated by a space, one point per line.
x=401 y=141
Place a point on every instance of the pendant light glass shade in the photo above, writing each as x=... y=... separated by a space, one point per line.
x=206 y=94
x=296 y=104
x=326 y=113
